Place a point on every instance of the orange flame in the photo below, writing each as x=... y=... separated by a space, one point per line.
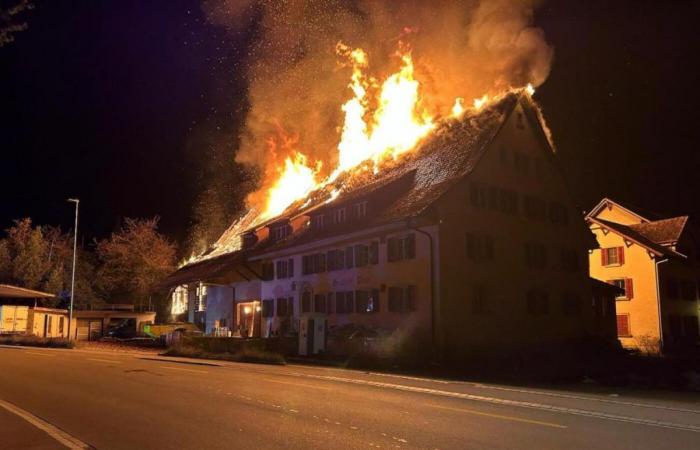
x=296 y=181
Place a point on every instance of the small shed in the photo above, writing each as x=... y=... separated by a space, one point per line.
x=23 y=311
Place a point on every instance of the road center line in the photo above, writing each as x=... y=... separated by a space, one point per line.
x=104 y=360
x=506 y=402
x=184 y=370
x=312 y=386
x=499 y=416
x=56 y=433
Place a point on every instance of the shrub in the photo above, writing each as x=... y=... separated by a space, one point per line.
x=242 y=354
x=35 y=341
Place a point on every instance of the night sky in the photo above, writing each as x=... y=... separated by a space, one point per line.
x=108 y=101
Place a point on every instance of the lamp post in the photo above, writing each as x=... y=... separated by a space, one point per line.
x=72 y=281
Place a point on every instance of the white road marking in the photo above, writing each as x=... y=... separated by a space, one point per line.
x=104 y=360
x=56 y=433
x=38 y=353
x=184 y=370
x=501 y=401
x=500 y=416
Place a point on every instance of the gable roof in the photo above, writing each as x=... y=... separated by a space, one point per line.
x=422 y=176
x=664 y=232
x=632 y=235
x=607 y=203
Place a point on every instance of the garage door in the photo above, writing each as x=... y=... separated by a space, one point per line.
x=83 y=330
x=95 y=330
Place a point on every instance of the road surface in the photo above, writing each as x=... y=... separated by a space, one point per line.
x=73 y=399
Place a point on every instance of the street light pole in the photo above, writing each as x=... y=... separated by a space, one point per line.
x=72 y=281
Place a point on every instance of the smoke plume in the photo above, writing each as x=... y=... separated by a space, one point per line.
x=296 y=82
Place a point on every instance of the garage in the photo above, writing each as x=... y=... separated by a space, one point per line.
x=89 y=330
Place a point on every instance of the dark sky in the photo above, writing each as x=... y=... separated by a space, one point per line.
x=100 y=99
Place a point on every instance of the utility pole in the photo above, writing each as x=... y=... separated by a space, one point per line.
x=72 y=281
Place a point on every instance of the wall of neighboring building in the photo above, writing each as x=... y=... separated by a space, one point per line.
x=641 y=311
x=486 y=283
x=680 y=307
x=47 y=323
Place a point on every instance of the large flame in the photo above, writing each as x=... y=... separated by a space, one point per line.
x=382 y=120
x=296 y=181
x=398 y=122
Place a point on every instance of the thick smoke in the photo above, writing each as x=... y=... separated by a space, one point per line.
x=296 y=84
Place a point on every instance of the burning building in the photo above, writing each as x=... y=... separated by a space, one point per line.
x=470 y=241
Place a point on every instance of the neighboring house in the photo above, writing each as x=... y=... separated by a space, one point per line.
x=655 y=263
x=471 y=241
x=22 y=311
x=116 y=320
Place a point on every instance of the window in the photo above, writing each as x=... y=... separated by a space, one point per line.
x=349 y=260
x=319 y=303
x=400 y=248
x=285 y=269
x=280 y=232
x=402 y=299
x=318 y=222
x=268 y=271
x=367 y=301
x=479 y=247
x=613 y=256
x=534 y=208
x=537 y=302
x=623 y=325
x=569 y=260
x=339 y=216
x=521 y=162
x=478 y=195
x=330 y=303
x=285 y=307
x=480 y=304
x=571 y=304
x=315 y=263
x=558 y=214
x=626 y=285
x=306 y=302
x=359 y=210
x=508 y=201
x=535 y=255
x=349 y=302
x=361 y=255
x=282 y=307
x=335 y=259
x=60 y=325
x=268 y=308
x=201 y=298
x=374 y=252
x=340 y=303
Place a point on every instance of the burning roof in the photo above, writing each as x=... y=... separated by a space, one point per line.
x=420 y=177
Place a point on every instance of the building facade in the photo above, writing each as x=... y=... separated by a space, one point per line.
x=472 y=244
x=655 y=263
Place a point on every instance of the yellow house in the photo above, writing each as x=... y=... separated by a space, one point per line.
x=655 y=262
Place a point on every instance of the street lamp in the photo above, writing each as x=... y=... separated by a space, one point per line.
x=75 y=248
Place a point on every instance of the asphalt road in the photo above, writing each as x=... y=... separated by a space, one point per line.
x=62 y=398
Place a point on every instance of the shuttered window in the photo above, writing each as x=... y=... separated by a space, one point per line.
x=319 y=303
x=623 y=325
x=401 y=248
x=613 y=256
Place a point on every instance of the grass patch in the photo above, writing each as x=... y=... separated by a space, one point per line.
x=242 y=355
x=35 y=341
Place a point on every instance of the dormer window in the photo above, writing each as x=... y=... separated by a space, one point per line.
x=280 y=232
x=318 y=222
x=339 y=216
x=360 y=210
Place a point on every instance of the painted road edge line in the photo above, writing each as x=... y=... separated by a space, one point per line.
x=500 y=416
x=517 y=403
x=56 y=433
